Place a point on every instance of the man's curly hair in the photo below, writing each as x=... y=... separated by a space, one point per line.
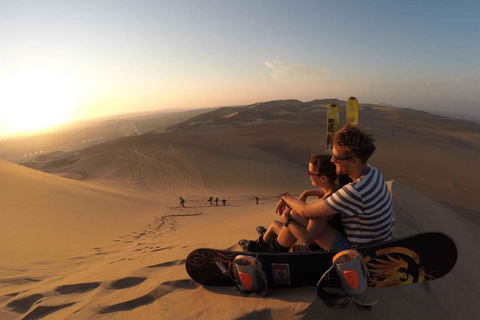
x=358 y=143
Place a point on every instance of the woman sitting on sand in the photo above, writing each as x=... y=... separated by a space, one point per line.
x=325 y=233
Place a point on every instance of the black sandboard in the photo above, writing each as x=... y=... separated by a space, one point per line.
x=418 y=258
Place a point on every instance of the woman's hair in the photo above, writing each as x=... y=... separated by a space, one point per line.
x=322 y=164
x=357 y=142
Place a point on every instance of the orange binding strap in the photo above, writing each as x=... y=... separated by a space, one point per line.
x=351 y=276
x=246 y=280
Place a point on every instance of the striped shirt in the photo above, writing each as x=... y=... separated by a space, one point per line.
x=366 y=208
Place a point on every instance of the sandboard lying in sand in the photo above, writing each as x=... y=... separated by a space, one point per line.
x=419 y=258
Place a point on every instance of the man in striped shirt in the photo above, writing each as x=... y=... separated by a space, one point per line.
x=365 y=204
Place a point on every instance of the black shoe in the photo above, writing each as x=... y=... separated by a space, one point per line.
x=243 y=243
x=255 y=246
x=251 y=246
x=261 y=230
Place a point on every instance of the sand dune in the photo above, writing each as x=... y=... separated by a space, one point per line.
x=270 y=143
x=45 y=216
x=112 y=241
x=141 y=274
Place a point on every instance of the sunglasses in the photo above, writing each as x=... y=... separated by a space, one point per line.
x=335 y=159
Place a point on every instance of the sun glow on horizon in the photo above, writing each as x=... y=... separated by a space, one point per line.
x=36 y=99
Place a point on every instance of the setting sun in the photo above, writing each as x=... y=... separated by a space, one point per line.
x=37 y=99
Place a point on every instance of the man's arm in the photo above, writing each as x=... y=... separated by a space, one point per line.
x=315 y=210
x=311 y=193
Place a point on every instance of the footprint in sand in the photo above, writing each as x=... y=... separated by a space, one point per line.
x=159 y=249
x=129 y=305
x=160 y=291
x=24 y=304
x=42 y=311
x=76 y=258
x=168 y=264
x=123 y=259
x=127 y=282
x=18 y=281
x=77 y=288
x=14 y=294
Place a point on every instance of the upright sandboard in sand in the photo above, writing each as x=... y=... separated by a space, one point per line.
x=333 y=122
x=352 y=111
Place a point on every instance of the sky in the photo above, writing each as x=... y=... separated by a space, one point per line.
x=69 y=60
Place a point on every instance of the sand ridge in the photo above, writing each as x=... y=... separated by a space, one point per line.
x=112 y=243
x=146 y=262
x=141 y=274
x=266 y=146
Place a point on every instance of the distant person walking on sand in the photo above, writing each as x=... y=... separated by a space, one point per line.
x=210 y=200
x=224 y=201
x=256 y=200
x=216 y=201
x=182 y=202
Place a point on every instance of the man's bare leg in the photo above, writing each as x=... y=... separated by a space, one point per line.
x=326 y=239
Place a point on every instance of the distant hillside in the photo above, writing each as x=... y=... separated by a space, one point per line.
x=286 y=110
x=434 y=154
x=81 y=134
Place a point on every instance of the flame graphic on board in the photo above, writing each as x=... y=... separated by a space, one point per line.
x=394 y=266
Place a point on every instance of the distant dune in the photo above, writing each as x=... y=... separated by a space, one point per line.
x=98 y=232
x=82 y=134
x=433 y=154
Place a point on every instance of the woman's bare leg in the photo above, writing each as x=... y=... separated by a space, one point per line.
x=314 y=229
x=272 y=231
x=286 y=238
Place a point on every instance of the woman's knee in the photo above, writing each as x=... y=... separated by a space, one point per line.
x=276 y=225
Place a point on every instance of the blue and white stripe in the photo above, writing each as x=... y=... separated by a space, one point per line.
x=366 y=207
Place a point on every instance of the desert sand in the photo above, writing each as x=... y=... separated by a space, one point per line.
x=104 y=237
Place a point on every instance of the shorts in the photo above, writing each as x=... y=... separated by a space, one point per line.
x=341 y=242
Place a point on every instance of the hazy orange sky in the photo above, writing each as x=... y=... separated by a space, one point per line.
x=68 y=60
